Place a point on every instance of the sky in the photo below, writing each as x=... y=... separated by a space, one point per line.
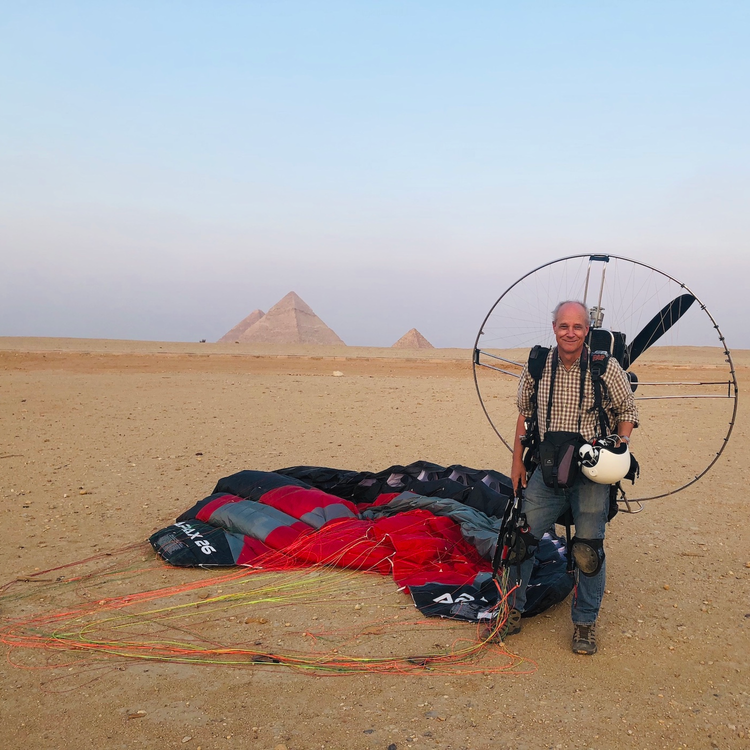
x=168 y=167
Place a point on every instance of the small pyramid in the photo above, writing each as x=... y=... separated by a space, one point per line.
x=412 y=340
x=241 y=327
x=290 y=321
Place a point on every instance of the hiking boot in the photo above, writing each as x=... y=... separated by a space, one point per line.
x=510 y=627
x=584 y=639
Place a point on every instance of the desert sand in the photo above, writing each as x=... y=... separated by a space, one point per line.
x=104 y=442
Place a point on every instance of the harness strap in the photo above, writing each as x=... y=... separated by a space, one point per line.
x=599 y=363
x=582 y=366
x=536 y=363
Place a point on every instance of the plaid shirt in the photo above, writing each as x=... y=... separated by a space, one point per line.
x=617 y=399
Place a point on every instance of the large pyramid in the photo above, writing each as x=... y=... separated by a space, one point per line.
x=412 y=340
x=241 y=327
x=289 y=321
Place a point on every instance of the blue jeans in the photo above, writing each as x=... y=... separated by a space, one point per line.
x=589 y=503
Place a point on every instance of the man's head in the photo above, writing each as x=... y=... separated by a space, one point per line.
x=570 y=322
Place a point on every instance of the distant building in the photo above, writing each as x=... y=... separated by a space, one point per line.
x=289 y=321
x=241 y=327
x=412 y=340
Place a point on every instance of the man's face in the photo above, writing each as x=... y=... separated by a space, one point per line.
x=571 y=329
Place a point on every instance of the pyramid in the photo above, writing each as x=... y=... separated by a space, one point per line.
x=413 y=340
x=290 y=321
x=241 y=327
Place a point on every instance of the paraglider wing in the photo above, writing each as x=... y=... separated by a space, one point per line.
x=432 y=528
x=659 y=325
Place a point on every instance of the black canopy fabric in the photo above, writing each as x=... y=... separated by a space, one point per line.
x=485 y=490
x=433 y=528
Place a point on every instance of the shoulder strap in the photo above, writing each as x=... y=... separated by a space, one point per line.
x=597 y=367
x=537 y=359
x=535 y=366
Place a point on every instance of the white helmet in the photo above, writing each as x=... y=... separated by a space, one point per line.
x=604 y=461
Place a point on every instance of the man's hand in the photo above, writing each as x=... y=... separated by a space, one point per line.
x=518 y=474
x=518 y=470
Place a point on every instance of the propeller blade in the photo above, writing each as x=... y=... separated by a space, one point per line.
x=659 y=325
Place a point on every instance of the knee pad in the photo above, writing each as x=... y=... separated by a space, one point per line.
x=588 y=555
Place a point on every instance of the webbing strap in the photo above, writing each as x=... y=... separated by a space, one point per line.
x=598 y=368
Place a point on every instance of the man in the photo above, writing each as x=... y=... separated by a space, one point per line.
x=571 y=408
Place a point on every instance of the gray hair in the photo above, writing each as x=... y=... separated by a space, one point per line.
x=569 y=302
